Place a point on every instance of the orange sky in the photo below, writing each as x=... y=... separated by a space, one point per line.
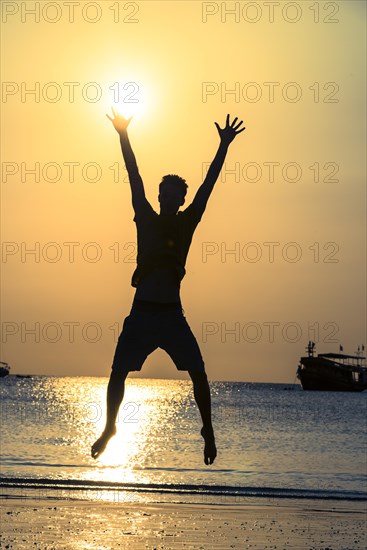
x=298 y=267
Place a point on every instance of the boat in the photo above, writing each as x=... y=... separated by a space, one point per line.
x=4 y=369
x=332 y=371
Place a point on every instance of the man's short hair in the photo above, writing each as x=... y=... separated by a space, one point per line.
x=173 y=179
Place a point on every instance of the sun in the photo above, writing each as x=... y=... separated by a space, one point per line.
x=130 y=98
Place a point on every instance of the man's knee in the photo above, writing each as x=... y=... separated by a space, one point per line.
x=119 y=375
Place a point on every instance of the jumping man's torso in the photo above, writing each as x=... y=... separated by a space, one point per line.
x=159 y=285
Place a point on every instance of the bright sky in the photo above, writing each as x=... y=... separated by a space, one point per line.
x=279 y=256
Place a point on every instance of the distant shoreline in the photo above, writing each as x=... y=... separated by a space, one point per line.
x=28 y=375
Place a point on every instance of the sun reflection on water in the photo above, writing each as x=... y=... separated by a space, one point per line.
x=145 y=415
x=264 y=435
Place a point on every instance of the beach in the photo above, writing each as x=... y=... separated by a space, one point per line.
x=290 y=471
x=51 y=523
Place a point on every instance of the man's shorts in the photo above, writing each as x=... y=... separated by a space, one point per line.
x=145 y=331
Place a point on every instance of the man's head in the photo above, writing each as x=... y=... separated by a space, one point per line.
x=172 y=191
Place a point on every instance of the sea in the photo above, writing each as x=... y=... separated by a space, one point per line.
x=274 y=441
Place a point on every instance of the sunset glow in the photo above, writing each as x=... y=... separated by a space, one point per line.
x=287 y=215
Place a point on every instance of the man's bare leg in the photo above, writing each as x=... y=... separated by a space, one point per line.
x=202 y=398
x=115 y=394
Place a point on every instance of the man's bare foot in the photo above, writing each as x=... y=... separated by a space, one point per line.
x=210 y=450
x=99 y=446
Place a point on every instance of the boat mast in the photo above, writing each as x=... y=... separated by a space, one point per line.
x=310 y=348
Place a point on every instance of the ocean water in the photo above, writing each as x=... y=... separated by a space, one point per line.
x=273 y=440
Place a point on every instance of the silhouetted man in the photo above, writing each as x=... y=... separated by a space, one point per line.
x=156 y=319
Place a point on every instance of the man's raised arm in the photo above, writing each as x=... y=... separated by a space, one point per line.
x=136 y=183
x=227 y=135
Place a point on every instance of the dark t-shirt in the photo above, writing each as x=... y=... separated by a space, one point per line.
x=163 y=240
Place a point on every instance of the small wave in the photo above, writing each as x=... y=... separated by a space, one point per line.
x=181 y=470
x=214 y=490
x=21 y=462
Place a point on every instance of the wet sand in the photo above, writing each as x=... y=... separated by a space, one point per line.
x=62 y=524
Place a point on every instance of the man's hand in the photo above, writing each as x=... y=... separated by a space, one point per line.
x=136 y=183
x=230 y=131
x=227 y=134
x=120 y=123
